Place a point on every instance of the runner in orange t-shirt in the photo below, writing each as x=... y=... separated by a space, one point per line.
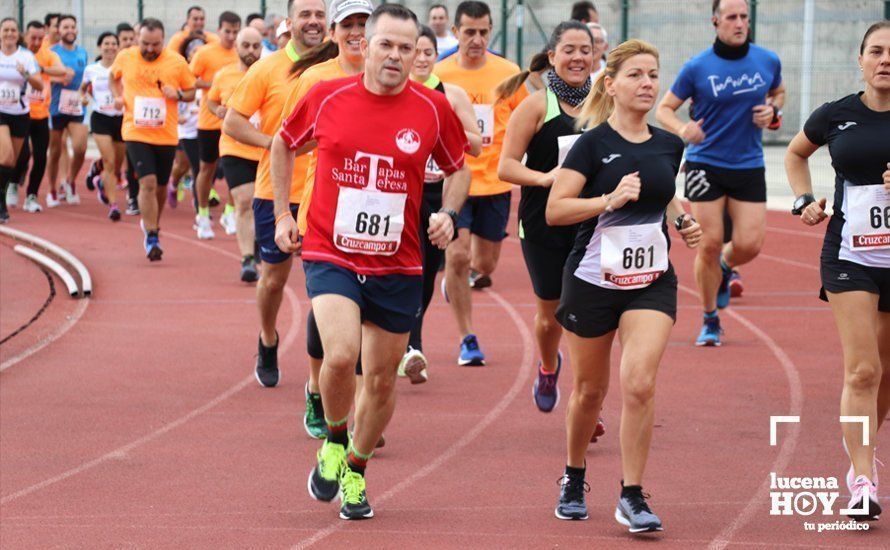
x=206 y=62
x=38 y=143
x=239 y=161
x=148 y=81
x=483 y=219
x=194 y=23
x=263 y=90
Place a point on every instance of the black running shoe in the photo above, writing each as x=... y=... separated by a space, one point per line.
x=132 y=207
x=267 y=364
x=248 y=270
x=325 y=477
x=634 y=512
x=353 y=498
x=95 y=170
x=571 y=498
x=479 y=281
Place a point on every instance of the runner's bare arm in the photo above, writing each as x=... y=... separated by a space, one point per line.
x=117 y=91
x=523 y=124
x=462 y=106
x=797 y=168
x=281 y=166
x=564 y=207
x=666 y=115
x=239 y=128
x=215 y=108
x=691 y=231
x=776 y=96
x=457 y=186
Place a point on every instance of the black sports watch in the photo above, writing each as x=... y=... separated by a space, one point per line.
x=678 y=223
x=453 y=215
x=802 y=202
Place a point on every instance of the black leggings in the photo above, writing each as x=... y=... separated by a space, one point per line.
x=432 y=257
x=38 y=144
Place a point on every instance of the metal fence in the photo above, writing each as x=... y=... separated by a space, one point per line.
x=817 y=40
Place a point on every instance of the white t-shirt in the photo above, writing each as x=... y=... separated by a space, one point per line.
x=103 y=99
x=188 y=118
x=13 y=100
x=445 y=42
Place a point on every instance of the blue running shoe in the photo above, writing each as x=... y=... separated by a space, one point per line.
x=546 y=390
x=724 y=292
x=710 y=331
x=152 y=245
x=634 y=513
x=470 y=354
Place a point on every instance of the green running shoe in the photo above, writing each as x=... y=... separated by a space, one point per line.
x=353 y=499
x=313 y=418
x=324 y=480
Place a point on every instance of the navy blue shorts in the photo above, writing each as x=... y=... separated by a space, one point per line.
x=264 y=225
x=60 y=122
x=486 y=216
x=392 y=302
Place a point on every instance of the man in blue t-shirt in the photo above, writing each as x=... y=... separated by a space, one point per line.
x=736 y=91
x=66 y=112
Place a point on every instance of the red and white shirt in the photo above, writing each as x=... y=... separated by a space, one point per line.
x=372 y=152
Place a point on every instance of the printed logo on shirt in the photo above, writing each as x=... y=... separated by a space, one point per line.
x=845 y=125
x=611 y=157
x=370 y=170
x=408 y=141
x=741 y=85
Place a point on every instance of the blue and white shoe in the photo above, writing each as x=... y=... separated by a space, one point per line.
x=470 y=353
x=710 y=332
x=634 y=513
x=724 y=293
x=152 y=244
x=546 y=389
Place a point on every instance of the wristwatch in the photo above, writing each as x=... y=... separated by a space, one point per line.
x=776 y=122
x=678 y=223
x=453 y=215
x=179 y=95
x=802 y=202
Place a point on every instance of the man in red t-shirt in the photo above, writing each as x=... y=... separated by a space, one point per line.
x=361 y=251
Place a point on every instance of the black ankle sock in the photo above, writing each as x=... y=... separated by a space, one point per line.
x=575 y=472
x=340 y=437
x=356 y=468
x=627 y=490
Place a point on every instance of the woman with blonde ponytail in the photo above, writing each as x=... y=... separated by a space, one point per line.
x=617 y=183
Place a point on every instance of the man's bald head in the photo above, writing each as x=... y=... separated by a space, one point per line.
x=249 y=44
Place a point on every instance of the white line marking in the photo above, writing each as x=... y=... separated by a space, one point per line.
x=53 y=336
x=519 y=385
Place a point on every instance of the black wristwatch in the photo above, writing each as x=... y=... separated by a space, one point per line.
x=802 y=202
x=453 y=215
x=179 y=95
x=678 y=223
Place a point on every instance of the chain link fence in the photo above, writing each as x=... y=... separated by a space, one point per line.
x=817 y=40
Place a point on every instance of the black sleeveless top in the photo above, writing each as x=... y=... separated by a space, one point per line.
x=543 y=155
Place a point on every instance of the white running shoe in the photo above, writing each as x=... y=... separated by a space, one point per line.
x=51 y=201
x=72 y=198
x=12 y=195
x=864 y=497
x=32 y=205
x=203 y=228
x=64 y=190
x=413 y=365
x=228 y=223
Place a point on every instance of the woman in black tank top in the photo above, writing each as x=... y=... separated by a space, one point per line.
x=414 y=363
x=542 y=129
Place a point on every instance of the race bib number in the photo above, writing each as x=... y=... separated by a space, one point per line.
x=69 y=103
x=485 y=121
x=149 y=112
x=432 y=173
x=869 y=217
x=369 y=222
x=256 y=120
x=565 y=145
x=10 y=94
x=104 y=101
x=35 y=96
x=633 y=256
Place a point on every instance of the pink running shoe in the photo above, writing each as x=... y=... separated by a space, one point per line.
x=864 y=499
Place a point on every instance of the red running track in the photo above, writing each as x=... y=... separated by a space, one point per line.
x=142 y=425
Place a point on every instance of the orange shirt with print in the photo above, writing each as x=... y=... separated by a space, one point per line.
x=176 y=40
x=329 y=70
x=40 y=100
x=224 y=84
x=209 y=59
x=491 y=115
x=264 y=90
x=156 y=119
